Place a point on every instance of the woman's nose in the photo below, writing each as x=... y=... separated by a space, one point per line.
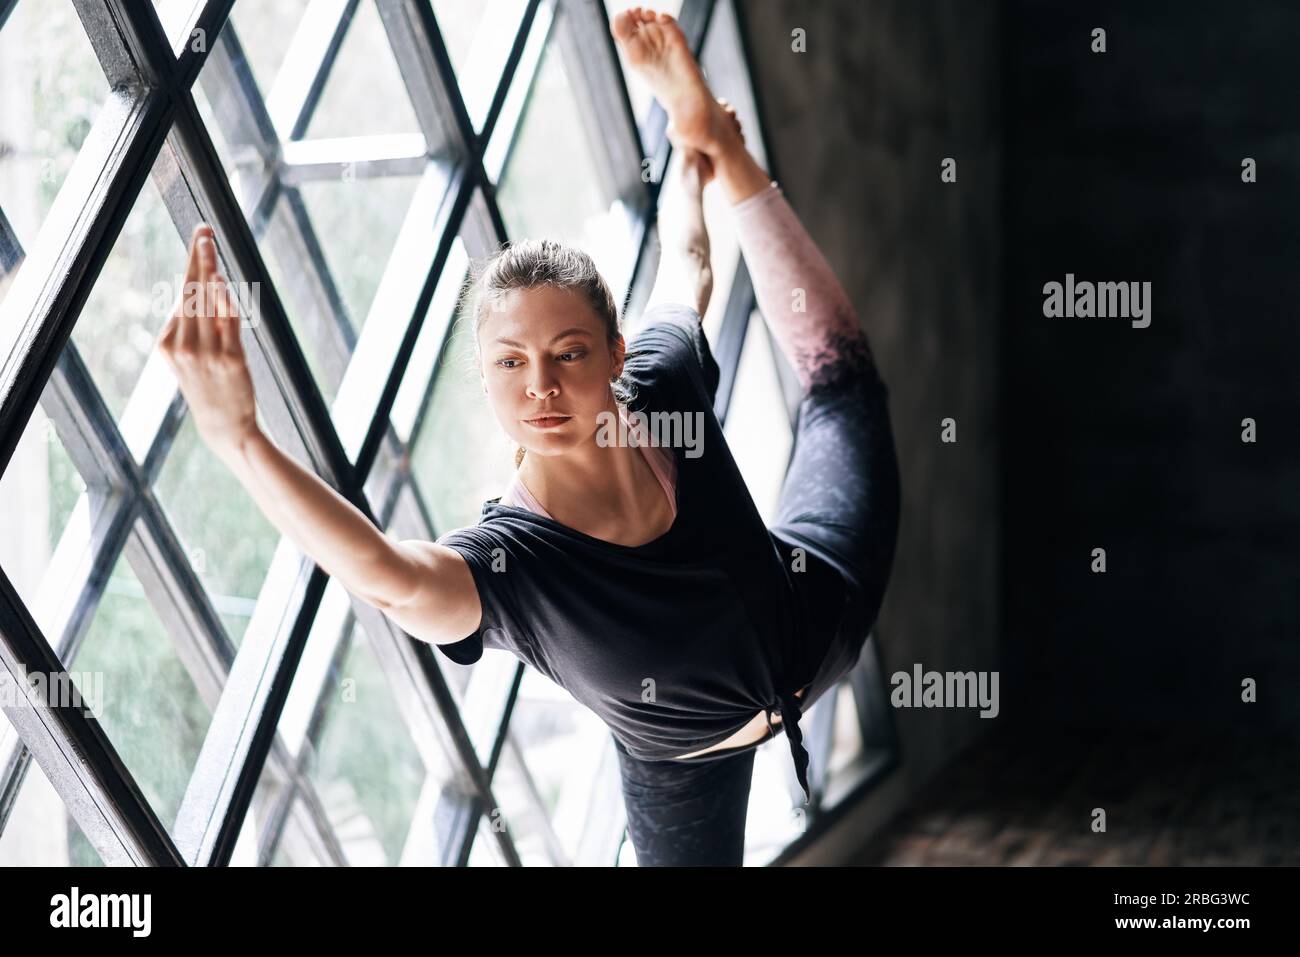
x=542 y=386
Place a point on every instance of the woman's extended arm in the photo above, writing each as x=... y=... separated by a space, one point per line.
x=425 y=588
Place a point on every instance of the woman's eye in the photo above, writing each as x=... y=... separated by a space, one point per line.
x=502 y=363
x=577 y=355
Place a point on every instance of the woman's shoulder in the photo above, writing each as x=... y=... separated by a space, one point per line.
x=669 y=360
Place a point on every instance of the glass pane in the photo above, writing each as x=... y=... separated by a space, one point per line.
x=53 y=88
x=40 y=832
x=848 y=744
x=266 y=32
x=133 y=296
x=478 y=35
x=379 y=105
x=758 y=426
x=357 y=224
x=462 y=456
x=428 y=345
x=723 y=61
x=344 y=727
x=273 y=835
x=486 y=851
x=364 y=765
x=552 y=184
x=564 y=747
x=41 y=491
x=229 y=541
x=150 y=707
x=298 y=844
x=176 y=17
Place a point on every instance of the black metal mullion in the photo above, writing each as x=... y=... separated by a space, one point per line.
x=429 y=78
x=42 y=324
x=507 y=75
x=496 y=234
x=462 y=188
x=731 y=338
x=586 y=48
x=210 y=26
x=309 y=414
x=120 y=46
x=320 y=73
x=211 y=837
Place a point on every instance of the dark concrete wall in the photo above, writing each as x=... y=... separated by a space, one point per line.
x=1127 y=166
x=858 y=126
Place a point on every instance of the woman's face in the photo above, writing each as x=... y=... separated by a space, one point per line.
x=545 y=351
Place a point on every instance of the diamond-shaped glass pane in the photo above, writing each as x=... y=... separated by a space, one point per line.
x=553 y=183
x=143 y=694
x=380 y=105
x=228 y=540
x=51 y=90
x=133 y=296
x=363 y=763
x=299 y=843
x=486 y=851
x=44 y=497
x=266 y=34
x=479 y=35
x=562 y=750
x=461 y=457
x=177 y=18
x=357 y=225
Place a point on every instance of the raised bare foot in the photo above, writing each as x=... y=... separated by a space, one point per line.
x=656 y=48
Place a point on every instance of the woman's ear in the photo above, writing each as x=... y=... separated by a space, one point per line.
x=620 y=351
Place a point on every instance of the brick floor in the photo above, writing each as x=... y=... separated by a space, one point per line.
x=1026 y=798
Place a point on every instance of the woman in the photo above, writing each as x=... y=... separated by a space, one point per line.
x=629 y=565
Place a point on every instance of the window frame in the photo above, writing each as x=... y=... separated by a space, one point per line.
x=151 y=116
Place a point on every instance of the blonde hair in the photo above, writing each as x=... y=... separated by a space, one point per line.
x=529 y=263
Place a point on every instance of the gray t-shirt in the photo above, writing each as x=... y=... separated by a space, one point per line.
x=676 y=644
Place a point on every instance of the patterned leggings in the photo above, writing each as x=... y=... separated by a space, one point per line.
x=687 y=813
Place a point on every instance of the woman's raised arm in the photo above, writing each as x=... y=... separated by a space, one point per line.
x=426 y=588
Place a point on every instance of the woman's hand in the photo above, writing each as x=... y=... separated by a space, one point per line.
x=201 y=344
x=696 y=165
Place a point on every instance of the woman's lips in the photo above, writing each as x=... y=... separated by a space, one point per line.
x=548 y=422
